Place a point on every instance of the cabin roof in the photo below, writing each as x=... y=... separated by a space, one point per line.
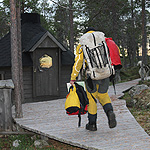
x=32 y=35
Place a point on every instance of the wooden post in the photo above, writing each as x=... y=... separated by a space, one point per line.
x=6 y=87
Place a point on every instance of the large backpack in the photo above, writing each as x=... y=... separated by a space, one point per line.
x=76 y=101
x=97 y=56
x=114 y=53
x=115 y=59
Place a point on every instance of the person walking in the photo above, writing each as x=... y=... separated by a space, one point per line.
x=95 y=89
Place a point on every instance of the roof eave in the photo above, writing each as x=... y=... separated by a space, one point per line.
x=51 y=37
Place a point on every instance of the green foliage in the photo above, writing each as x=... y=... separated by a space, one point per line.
x=119 y=19
x=138 y=105
x=142 y=116
x=129 y=74
x=61 y=24
x=146 y=82
x=4 y=21
x=127 y=97
x=25 y=143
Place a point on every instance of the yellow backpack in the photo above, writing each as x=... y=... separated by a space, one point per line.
x=76 y=101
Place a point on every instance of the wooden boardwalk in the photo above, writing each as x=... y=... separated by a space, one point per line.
x=49 y=119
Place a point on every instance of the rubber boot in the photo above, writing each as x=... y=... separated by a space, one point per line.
x=92 y=122
x=110 y=115
x=91 y=126
x=111 y=119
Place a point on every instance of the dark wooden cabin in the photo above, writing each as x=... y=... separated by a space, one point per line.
x=47 y=63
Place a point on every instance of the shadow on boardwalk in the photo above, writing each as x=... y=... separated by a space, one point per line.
x=49 y=119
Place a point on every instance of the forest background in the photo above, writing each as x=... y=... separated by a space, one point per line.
x=126 y=21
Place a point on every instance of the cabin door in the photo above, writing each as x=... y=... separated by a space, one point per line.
x=45 y=70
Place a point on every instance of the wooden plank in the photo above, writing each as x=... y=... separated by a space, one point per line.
x=50 y=119
x=5 y=110
x=2 y=114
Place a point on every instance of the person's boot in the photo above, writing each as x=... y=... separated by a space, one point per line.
x=111 y=119
x=91 y=126
x=110 y=114
x=92 y=122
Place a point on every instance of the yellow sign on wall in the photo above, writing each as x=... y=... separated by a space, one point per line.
x=45 y=61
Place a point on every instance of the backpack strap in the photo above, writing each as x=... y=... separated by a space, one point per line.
x=113 y=82
x=79 y=116
x=112 y=79
x=84 y=64
x=83 y=68
x=94 y=39
x=93 y=98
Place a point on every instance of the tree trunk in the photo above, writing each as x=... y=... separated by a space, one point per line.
x=71 y=41
x=144 y=51
x=22 y=6
x=133 y=43
x=20 y=49
x=123 y=54
x=14 y=59
x=142 y=71
x=114 y=22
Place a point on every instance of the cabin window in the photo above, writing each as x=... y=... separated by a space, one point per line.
x=45 y=61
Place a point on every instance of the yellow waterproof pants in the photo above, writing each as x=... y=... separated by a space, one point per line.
x=103 y=98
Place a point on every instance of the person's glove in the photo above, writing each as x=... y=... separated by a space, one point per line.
x=72 y=82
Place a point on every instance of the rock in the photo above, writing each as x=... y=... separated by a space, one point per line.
x=143 y=100
x=139 y=97
x=44 y=138
x=40 y=143
x=136 y=90
x=16 y=143
x=148 y=105
x=132 y=103
x=6 y=84
x=33 y=137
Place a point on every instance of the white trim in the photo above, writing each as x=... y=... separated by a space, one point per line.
x=47 y=34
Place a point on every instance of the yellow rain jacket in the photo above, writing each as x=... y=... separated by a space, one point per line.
x=78 y=61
